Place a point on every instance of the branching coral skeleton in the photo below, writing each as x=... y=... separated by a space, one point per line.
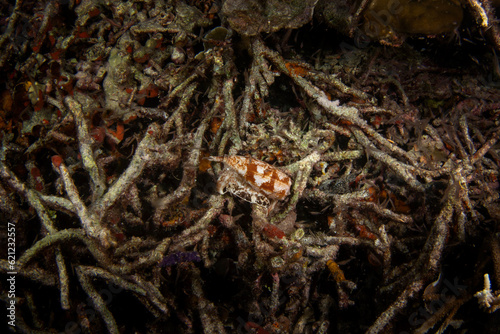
x=331 y=183
x=486 y=298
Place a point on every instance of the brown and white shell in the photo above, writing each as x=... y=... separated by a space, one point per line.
x=252 y=180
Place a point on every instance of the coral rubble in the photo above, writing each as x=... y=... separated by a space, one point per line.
x=242 y=167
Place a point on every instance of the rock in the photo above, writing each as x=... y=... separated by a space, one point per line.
x=251 y=17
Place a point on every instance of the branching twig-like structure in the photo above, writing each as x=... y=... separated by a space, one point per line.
x=106 y=181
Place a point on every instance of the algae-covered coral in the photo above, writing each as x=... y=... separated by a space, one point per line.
x=366 y=195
